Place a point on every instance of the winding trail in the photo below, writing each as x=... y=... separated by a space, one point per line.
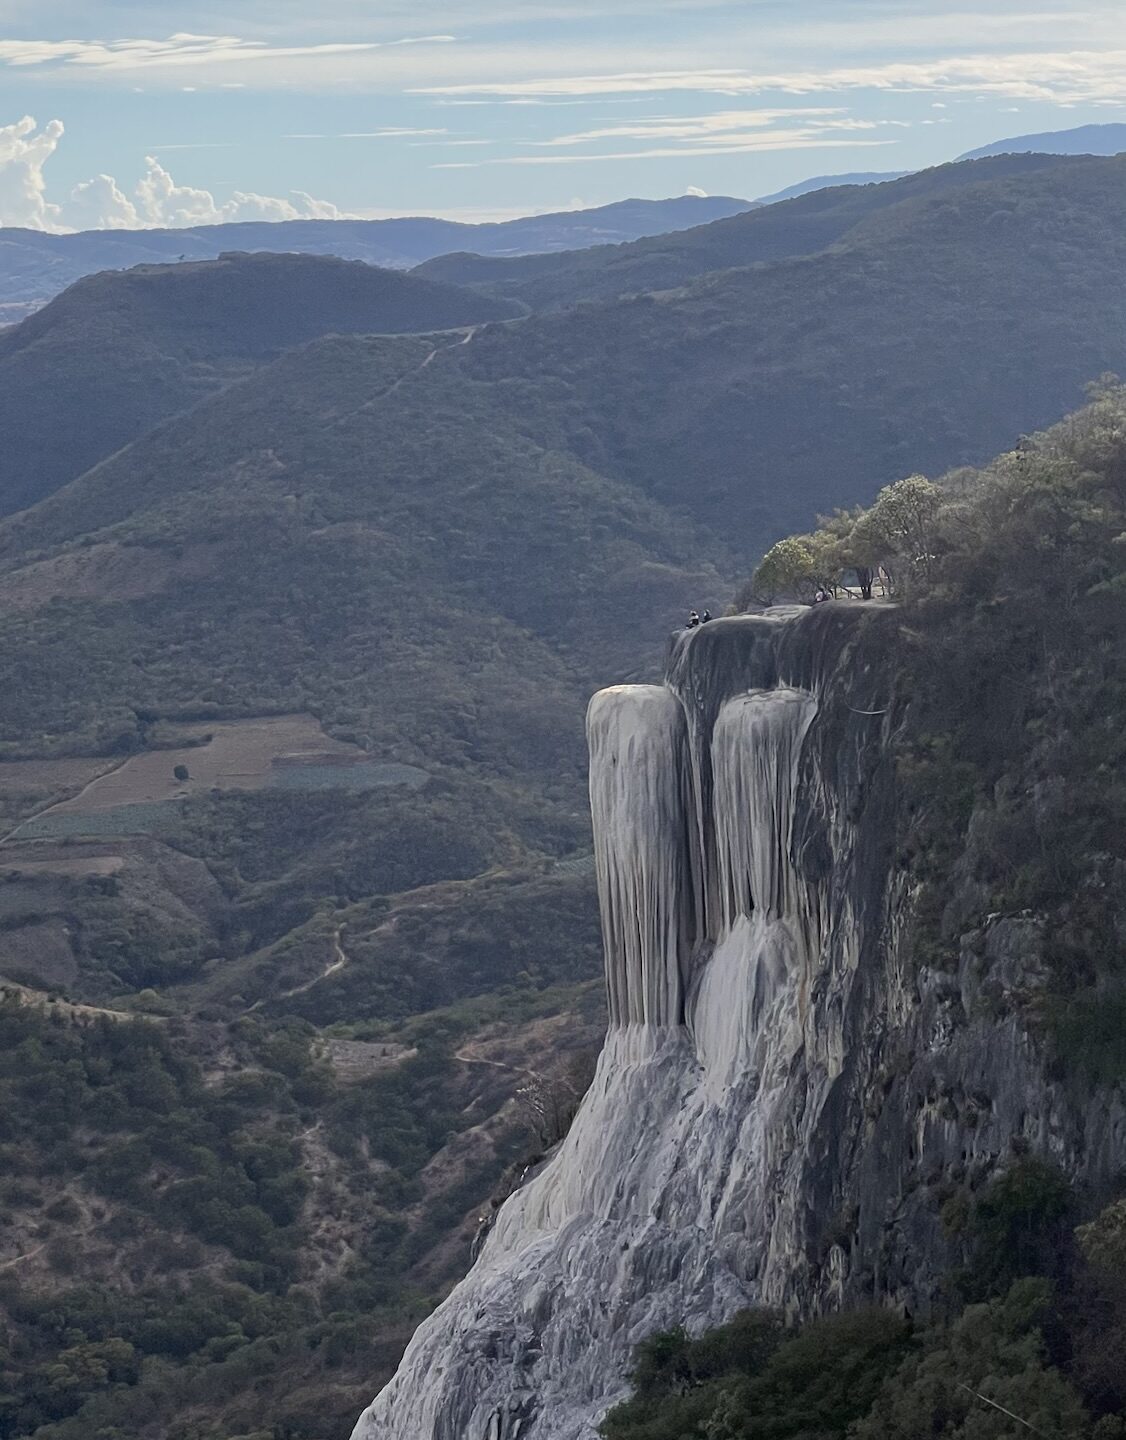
x=338 y=962
x=388 y=391
x=27 y=1255
x=467 y=1059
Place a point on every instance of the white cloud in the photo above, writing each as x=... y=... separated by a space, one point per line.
x=162 y=202
x=694 y=127
x=101 y=204
x=724 y=132
x=1061 y=77
x=769 y=140
x=24 y=150
x=182 y=49
x=98 y=204
x=695 y=190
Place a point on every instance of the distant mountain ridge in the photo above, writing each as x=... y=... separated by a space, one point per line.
x=35 y=265
x=831 y=182
x=804 y=225
x=1107 y=139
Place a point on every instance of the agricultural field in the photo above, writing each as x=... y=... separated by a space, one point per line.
x=142 y=794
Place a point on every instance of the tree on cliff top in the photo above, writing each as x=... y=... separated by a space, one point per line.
x=1012 y=654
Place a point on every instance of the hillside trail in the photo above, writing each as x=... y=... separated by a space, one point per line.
x=27 y=1255
x=388 y=391
x=466 y=1057
x=66 y=800
x=338 y=962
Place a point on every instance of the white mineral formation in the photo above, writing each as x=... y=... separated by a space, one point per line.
x=783 y=1090
x=654 y=1210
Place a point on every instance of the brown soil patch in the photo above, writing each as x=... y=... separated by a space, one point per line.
x=28 y=777
x=240 y=755
x=27 y=786
x=70 y=866
x=353 y=1060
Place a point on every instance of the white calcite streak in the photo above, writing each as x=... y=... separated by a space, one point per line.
x=639 y=801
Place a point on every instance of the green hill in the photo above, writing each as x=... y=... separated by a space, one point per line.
x=361 y=533
x=118 y=352
x=942 y=328
x=802 y=226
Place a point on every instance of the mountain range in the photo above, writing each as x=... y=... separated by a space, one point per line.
x=35 y=265
x=1108 y=139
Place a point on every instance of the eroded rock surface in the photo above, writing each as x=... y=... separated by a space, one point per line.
x=783 y=1093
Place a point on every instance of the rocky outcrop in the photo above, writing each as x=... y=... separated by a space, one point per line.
x=784 y=1096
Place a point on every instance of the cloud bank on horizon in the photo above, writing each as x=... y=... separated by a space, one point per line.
x=100 y=204
x=509 y=94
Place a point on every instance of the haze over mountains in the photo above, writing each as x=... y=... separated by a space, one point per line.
x=35 y=265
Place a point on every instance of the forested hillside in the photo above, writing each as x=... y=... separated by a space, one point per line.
x=801 y=226
x=754 y=396
x=118 y=352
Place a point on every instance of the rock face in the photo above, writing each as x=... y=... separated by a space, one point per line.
x=783 y=1093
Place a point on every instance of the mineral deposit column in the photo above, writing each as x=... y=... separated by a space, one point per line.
x=640 y=809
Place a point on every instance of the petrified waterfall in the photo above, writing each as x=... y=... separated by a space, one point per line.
x=778 y=1089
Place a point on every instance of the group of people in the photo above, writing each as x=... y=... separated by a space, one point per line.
x=698 y=617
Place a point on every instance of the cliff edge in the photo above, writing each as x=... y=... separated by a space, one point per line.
x=785 y=1094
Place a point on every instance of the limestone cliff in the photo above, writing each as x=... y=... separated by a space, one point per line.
x=784 y=1093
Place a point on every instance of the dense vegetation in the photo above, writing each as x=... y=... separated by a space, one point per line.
x=1012 y=586
x=237 y=1240
x=1037 y=1350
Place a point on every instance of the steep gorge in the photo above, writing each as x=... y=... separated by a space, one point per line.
x=786 y=1094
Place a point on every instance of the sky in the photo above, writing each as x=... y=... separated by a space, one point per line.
x=145 y=112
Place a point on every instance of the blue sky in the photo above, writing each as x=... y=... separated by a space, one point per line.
x=122 y=112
